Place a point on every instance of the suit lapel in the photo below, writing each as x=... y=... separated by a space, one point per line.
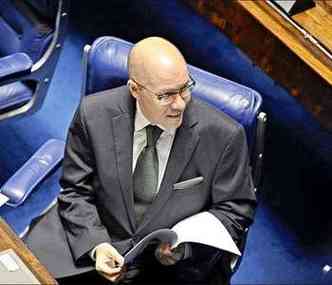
x=123 y=126
x=184 y=144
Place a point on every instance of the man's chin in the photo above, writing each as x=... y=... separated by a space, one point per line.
x=174 y=123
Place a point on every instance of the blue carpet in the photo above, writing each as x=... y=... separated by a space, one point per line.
x=276 y=252
x=21 y=138
x=275 y=255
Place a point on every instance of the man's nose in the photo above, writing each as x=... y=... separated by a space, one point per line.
x=178 y=103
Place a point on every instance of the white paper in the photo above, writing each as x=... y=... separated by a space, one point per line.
x=163 y=235
x=286 y=4
x=13 y=270
x=3 y=199
x=205 y=228
x=9 y=262
x=202 y=228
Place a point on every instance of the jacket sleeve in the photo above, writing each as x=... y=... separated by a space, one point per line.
x=233 y=196
x=233 y=203
x=77 y=208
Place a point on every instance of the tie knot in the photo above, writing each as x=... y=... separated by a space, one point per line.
x=152 y=135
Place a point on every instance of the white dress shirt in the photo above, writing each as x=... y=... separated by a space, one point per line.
x=163 y=145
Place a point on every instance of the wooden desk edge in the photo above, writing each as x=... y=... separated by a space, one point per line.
x=271 y=20
x=10 y=240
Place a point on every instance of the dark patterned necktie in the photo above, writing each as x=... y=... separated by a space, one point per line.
x=145 y=177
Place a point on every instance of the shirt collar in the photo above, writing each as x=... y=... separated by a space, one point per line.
x=141 y=122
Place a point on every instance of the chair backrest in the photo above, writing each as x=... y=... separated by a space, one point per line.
x=26 y=26
x=105 y=66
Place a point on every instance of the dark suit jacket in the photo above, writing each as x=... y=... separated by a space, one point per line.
x=96 y=204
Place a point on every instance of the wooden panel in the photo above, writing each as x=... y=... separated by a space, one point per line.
x=290 y=36
x=318 y=22
x=8 y=240
x=271 y=54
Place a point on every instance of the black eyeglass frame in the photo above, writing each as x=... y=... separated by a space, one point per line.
x=188 y=86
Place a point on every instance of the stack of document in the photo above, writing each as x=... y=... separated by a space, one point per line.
x=13 y=270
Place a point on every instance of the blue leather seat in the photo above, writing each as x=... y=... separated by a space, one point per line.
x=105 y=66
x=31 y=34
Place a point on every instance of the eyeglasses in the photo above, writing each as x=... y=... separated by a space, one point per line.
x=166 y=98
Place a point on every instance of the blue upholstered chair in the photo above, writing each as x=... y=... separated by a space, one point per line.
x=31 y=36
x=28 y=192
x=105 y=66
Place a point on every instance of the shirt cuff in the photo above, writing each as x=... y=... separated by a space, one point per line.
x=92 y=253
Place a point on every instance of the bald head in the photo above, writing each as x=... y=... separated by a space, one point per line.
x=154 y=60
x=157 y=67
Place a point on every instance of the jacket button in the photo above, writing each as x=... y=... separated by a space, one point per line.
x=135 y=239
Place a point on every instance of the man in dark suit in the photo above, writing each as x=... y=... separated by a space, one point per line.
x=127 y=148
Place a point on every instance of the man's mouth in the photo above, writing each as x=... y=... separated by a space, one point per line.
x=174 y=115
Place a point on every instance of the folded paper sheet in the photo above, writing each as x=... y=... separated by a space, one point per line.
x=202 y=228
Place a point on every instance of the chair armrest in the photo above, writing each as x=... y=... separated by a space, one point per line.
x=20 y=185
x=14 y=65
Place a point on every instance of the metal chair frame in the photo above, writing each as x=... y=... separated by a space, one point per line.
x=42 y=70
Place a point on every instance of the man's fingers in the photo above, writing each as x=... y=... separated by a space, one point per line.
x=116 y=257
x=112 y=274
x=107 y=269
x=168 y=260
x=165 y=255
x=115 y=277
x=168 y=256
x=107 y=250
x=165 y=249
x=109 y=263
x=112 y=278
x=107 y=266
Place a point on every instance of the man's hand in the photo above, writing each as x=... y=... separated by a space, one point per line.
x=109 y=262
x=168 y=256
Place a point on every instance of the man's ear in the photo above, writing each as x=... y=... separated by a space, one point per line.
x=133 y=88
